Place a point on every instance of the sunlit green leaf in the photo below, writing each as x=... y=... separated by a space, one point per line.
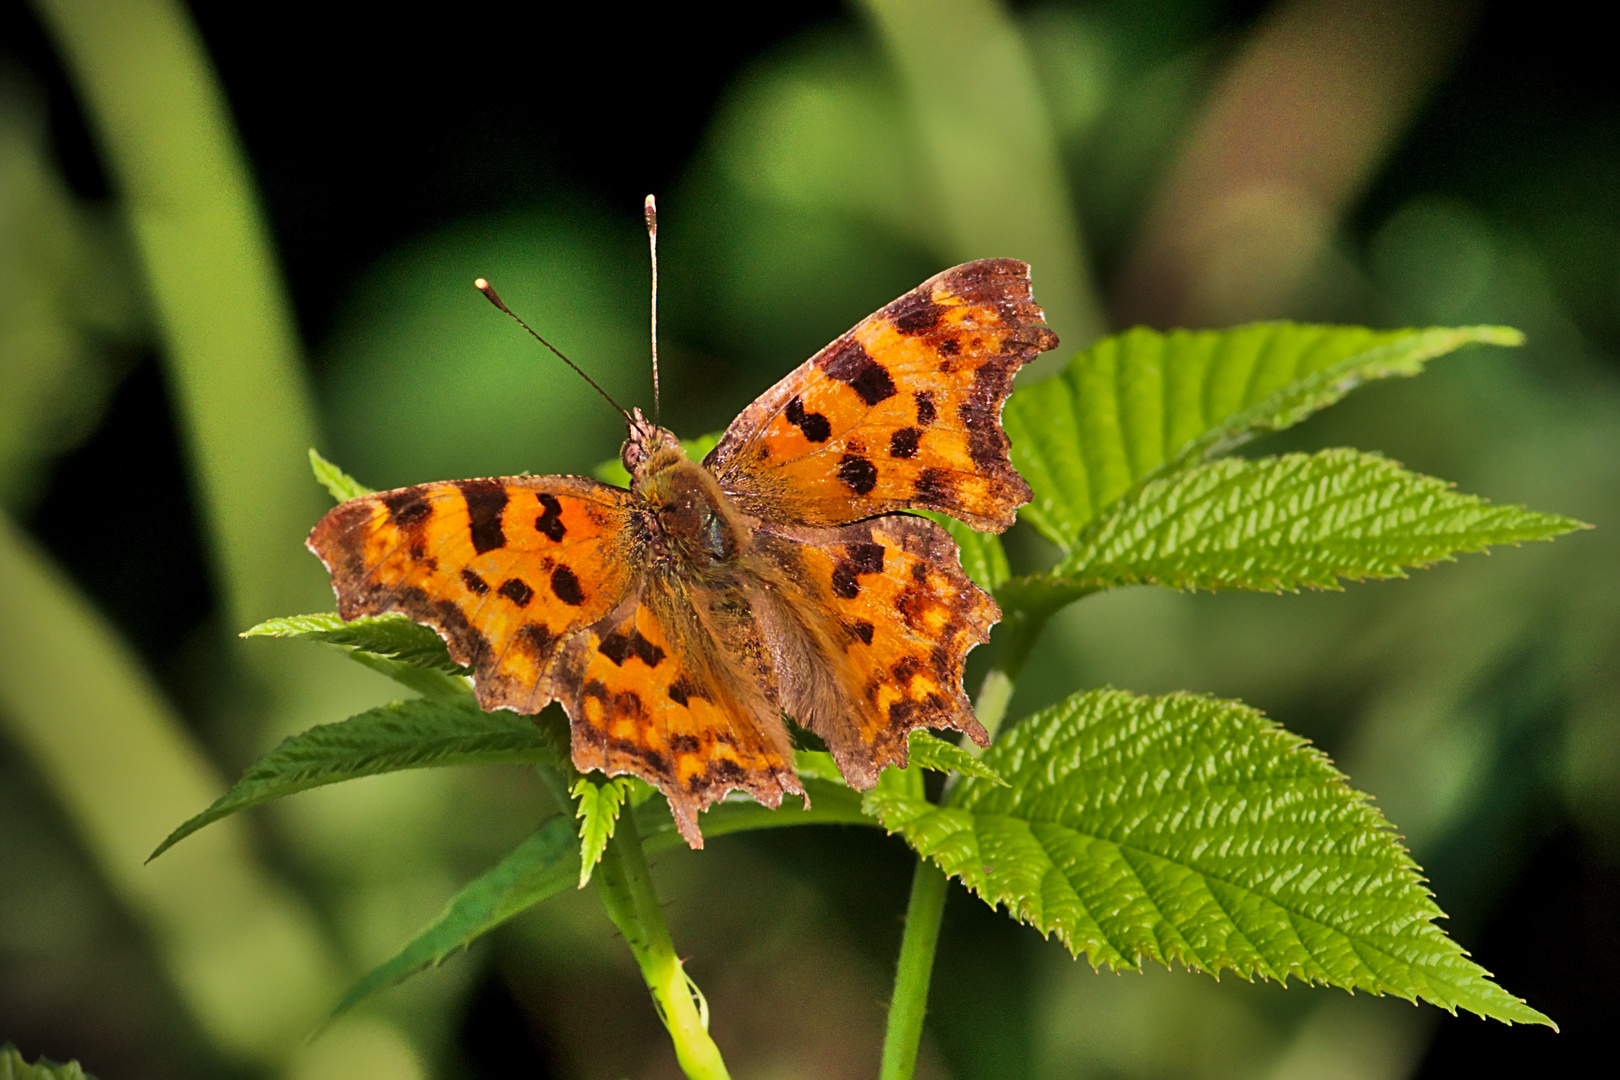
x=1186 y=829
x=612 y=471
x=1142 y=403
x=930 y=752
x=416 y=734
x=818 y=764
x=1291 y=521
x=407 y=652
x=340 y=484
x=540 y=867
x=598 y=810
x=14 y=1067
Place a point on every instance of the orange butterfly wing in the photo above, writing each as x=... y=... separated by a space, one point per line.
x=902 y=412
x=650 y=695
x=505 y=569
x=853 y=618
x=897 y=617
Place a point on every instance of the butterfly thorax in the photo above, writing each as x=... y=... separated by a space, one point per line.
x=698 y=526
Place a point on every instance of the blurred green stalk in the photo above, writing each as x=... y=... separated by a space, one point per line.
x=165 y=135
x=990 y=147
x=246 y=955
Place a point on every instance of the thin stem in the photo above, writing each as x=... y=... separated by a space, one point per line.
x=915 y=971
x=926 y=908
x=626 y=889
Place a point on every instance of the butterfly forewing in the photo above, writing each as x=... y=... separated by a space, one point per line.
x=505 y=569
x=902 y=412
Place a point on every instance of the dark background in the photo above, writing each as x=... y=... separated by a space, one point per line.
x=367 y=131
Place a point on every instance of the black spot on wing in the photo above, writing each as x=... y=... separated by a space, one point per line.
x=474 y=583
x=619 y=647
x=860 y=558
x=948 y=346
x=858 y=473
x=868 y=378
x=935 y=486
x=681 y=742
x=536 y=639
x=681 y=691
x=549 y=523
x=926 y=412
x=486 y=502
x=406 y=507
x=903 y=443
x=517 y=590
x=861 y=629
x=565 y=583
x=814 y=426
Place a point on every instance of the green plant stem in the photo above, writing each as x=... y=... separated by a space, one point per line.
x=1021 y=628
x=626 y=889
x=915 y=971
x=926 y=908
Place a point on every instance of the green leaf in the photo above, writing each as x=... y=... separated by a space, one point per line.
x=598 y=809
x=417 y=734
x=984 y=560
x=1291 y=521
x=392 y=636
x=407 y=652
x=13 y=1067
x=1143 y=403
x=930 y=752
x=340 y=484
x=538 y=869
x=1186 y=829
x=612 y=470
x=817 y=764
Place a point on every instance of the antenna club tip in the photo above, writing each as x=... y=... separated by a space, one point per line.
x=483 y=286
x=650 y=208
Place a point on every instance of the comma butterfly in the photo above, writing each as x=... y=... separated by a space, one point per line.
x=677 y=621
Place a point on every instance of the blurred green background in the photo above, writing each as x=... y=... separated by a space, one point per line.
x=228 y=232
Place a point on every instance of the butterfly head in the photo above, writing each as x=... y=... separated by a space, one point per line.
x=646 y=441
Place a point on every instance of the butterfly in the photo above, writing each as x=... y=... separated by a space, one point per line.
x=680 y=620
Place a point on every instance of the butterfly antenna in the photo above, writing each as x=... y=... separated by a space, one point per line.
x=493 y=297
x=651 y=208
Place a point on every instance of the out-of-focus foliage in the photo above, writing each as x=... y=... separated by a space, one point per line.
x=13 y=1067
x=69 y=313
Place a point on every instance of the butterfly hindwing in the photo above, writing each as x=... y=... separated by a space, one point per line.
x=649 y=694
x=506 y=569
x=898 y=620
x=902 y=412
